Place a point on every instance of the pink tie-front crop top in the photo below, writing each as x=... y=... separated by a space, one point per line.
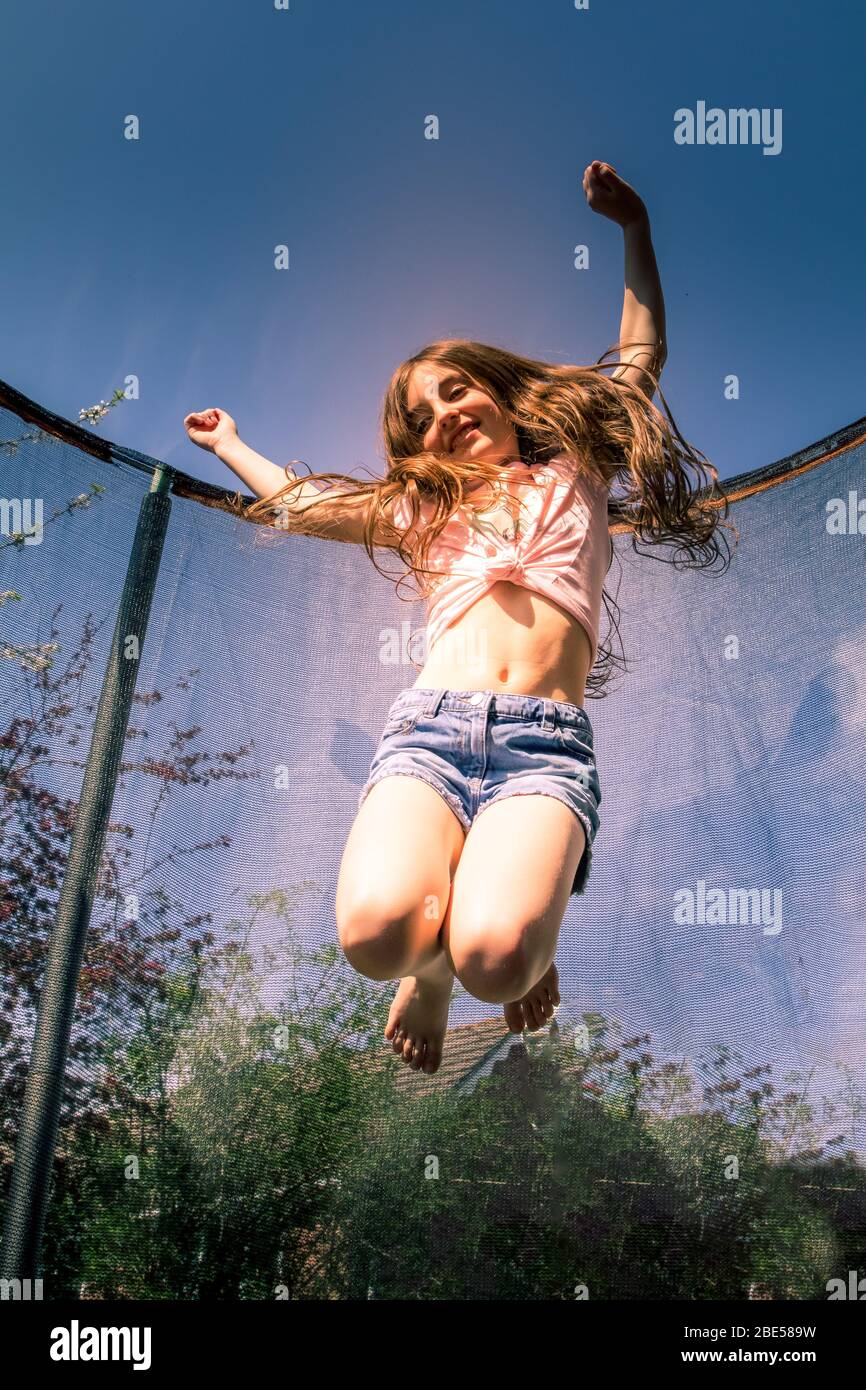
x=563 y=550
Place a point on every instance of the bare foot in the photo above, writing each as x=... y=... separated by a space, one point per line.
x=419 y=1015
x=536 y=1006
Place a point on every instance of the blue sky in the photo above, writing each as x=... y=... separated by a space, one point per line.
x=306 y=127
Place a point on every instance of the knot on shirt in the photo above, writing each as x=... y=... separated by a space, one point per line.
x=507 y=565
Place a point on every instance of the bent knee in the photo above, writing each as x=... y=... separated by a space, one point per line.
x=378 y=937
x=493 y=964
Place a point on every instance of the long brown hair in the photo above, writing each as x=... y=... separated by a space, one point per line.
x=607 y=427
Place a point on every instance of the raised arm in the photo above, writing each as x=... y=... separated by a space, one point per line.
x=342 y=514
x=642 y=334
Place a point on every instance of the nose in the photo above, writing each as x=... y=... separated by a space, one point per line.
x=446 y=415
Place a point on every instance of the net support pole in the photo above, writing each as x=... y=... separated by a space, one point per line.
x=37 y=1136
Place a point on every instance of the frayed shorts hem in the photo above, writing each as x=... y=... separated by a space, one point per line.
x=452 y=801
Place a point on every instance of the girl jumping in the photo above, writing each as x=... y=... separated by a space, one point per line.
x=478 y=817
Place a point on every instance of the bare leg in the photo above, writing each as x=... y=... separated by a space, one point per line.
x=392 y=896
x=508 y=899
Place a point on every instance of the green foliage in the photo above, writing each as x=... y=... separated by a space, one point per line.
x=238 y=1115
x=547 y=1181
x=278 y=1159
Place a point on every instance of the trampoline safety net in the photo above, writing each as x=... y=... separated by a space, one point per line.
x=233 y=1126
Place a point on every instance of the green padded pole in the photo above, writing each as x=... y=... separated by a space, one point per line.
x=37 y=1136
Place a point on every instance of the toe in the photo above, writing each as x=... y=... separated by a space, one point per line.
x=543 y=1008
x=529 y=1009
x=514 y=1016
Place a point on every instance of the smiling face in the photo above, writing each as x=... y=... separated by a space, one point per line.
x=448 y=414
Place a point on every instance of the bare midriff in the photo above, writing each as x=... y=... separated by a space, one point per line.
x=511 y=640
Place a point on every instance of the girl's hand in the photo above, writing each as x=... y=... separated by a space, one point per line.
x=210 y=429
x=610 y=195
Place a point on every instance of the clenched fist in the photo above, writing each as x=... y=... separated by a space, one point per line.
x=210 y=428
x=610 y=195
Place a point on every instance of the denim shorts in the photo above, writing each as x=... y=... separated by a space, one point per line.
x=477 y=747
